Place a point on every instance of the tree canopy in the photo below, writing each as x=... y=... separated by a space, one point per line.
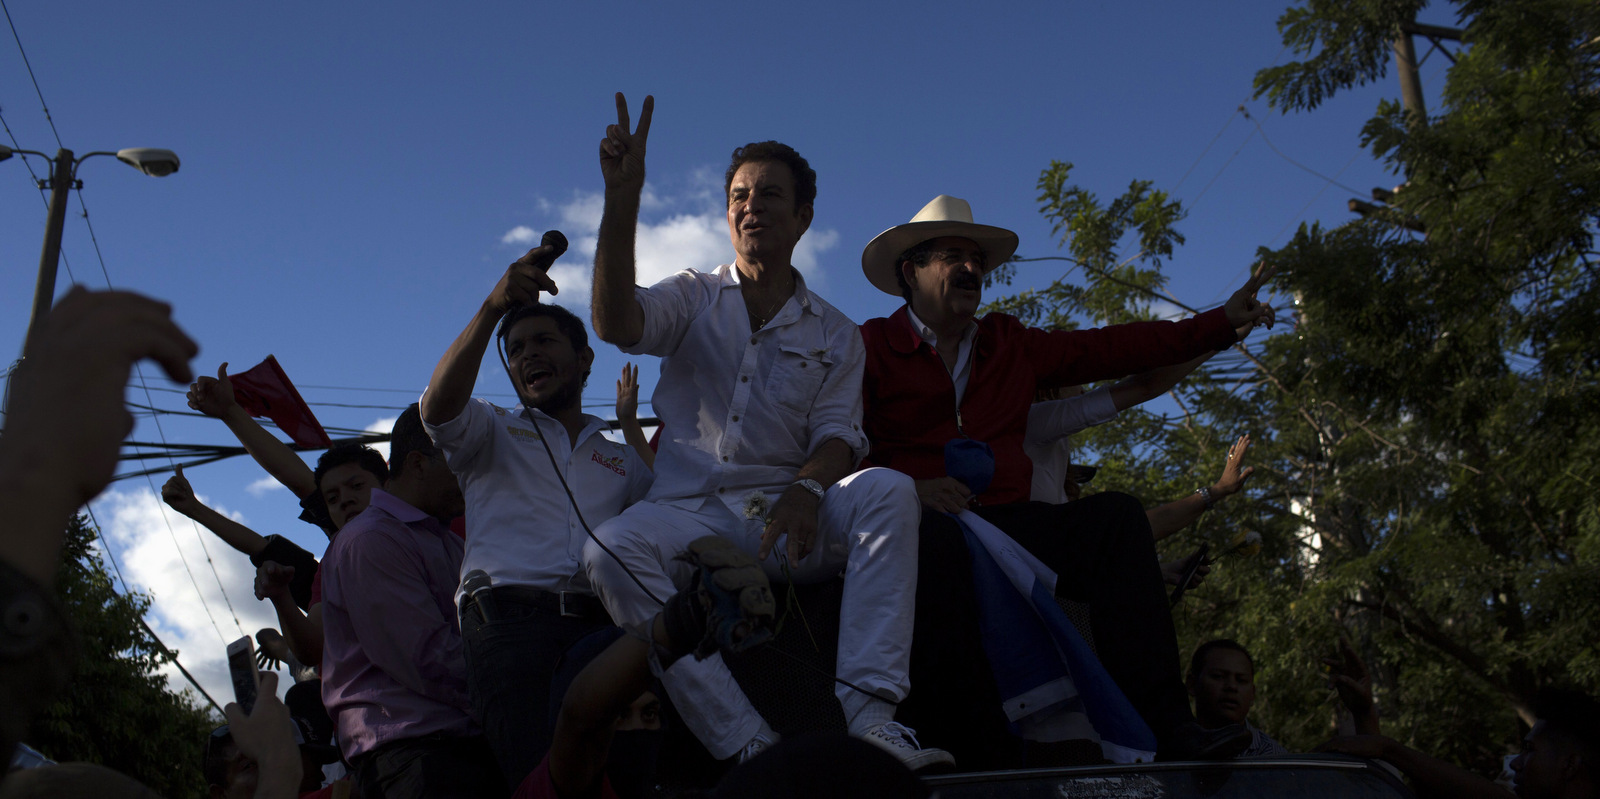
x=1428 y=423
x=117 y=711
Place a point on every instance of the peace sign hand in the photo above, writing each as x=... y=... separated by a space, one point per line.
x=621 y=152
x=1243 y=309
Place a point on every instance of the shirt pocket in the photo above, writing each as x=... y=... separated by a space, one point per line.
x=797 y=377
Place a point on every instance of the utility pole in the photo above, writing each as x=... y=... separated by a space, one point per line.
x=1405 y=63
x=44 y=290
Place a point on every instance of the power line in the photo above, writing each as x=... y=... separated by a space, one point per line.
x=31 y=76
x=1285 y=157
x=137 y=370
x=37 y=183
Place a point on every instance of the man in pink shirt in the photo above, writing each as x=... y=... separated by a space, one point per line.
x=393 y=676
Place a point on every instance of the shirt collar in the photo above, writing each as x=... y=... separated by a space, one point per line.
x=729 y=273
x=926 y=333
x=590 y=421
x=397 y=507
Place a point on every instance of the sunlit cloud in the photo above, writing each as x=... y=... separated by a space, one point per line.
x=261 y=487
x=148 y=538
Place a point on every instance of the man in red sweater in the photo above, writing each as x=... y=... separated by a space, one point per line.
x=936 y=373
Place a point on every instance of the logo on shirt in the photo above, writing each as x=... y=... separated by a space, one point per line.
x=522 y=433
x=613 y=463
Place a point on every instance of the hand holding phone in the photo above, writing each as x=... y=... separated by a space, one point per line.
x=242 y=669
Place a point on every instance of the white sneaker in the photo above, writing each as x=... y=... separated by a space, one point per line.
x=757 y=745
x=898 y=740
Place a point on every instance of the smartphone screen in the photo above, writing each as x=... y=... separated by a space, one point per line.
x=242 y=668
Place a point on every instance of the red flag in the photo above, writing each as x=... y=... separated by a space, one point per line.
x=264 y=390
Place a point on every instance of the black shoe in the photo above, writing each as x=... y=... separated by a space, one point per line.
x=1190 y=741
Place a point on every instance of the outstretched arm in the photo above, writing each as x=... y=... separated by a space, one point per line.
x=1348 y=675
x=1178 y=514
x=450 y=388
x=179 y=495
x=617 y=316
x=1430 y=776
x=628 y=414
x=213 y=396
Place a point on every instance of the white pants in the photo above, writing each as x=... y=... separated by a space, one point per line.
x=867 y=528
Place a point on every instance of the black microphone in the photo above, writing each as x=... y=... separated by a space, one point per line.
x=476 y=586
x=556 y=241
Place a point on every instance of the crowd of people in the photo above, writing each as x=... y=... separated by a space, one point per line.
x=506 y=603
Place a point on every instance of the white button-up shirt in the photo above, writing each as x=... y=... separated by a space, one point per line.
x=742 y=411
x=963 y=368
x=521 y=527
x=1048 y=444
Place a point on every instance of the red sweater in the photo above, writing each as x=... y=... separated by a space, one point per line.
x=910 y=400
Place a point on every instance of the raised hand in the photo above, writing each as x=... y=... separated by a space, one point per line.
x=266 y=736
x=271 y=649
x=67 y=416
x=1243 y=309
x=179 y=495
x=1234 y=477
x=628 y=393
x=1348 y=675
x=621 y=152
x=272 y=580
x=524 y=279
x=213 y=396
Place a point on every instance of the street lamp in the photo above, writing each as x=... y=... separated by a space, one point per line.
x=63 y=177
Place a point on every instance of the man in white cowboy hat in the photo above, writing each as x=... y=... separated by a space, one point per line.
x=760 y=405
x=936 y=373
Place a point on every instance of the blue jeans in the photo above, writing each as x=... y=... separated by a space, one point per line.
x=510 y=662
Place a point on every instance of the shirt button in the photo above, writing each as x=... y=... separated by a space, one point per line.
x=752 y=339
x=719 y=491
x=724 y=458
x=744 y=378
x=736 y=417
x=802 y=364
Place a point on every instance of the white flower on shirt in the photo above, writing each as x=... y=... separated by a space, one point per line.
x=756 y=505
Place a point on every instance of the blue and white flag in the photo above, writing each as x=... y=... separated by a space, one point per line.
x=1050 y=681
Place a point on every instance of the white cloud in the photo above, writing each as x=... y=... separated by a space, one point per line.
x=382 y=425
x=521 y=234
x=675 y=232
x=141 y=529
x=1167 y=310
x=262 y=486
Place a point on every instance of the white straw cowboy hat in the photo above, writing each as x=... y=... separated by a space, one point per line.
x=945 y=216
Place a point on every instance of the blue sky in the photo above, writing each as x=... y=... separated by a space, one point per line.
x=356 y=176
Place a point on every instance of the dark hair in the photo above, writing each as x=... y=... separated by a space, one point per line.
x=566 y=321
x=1575 y=716
x=918 y=254
x=805 y=178
x=359 y=454
x=1198 y=662
x=408 y=436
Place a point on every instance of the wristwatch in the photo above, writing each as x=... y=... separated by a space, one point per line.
x=812 y=486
